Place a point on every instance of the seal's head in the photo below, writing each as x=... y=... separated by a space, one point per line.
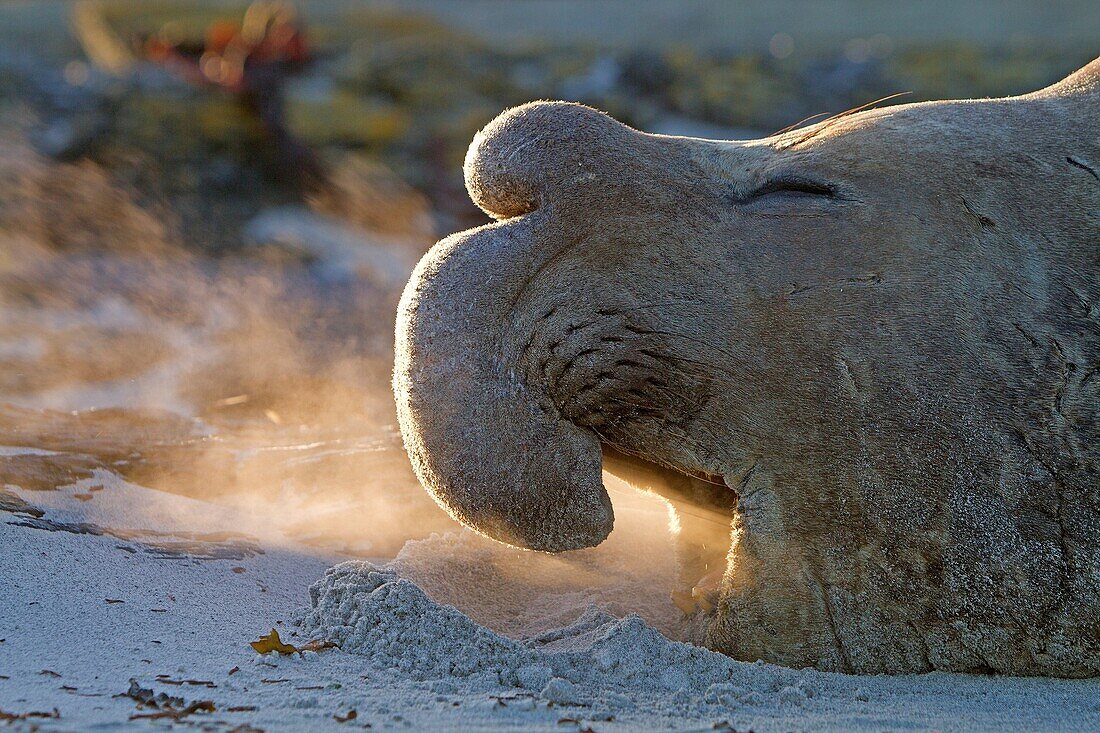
x=881 y=330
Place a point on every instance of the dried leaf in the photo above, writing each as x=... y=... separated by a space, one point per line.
x=11 y=717
x=167 y=680
x=272 y=643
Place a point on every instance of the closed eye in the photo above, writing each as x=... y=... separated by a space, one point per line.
x=787 y=187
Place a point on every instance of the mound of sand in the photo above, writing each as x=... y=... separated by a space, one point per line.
x=371 y=611
x=606 y=668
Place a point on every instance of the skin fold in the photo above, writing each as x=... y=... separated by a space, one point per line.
x=880 y=333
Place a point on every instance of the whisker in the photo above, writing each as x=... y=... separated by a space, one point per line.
x=798 y=124
x=830 y=121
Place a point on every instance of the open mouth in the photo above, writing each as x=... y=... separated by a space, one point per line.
x=701 y=514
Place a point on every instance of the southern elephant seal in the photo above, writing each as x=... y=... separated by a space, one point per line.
x=881 y=332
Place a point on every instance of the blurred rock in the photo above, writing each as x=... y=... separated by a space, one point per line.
x=69 y=138
x=221 y=173
x=599 y=79
x=844 y=76
x=530 y=76
x=340 y=252
x=648 y=73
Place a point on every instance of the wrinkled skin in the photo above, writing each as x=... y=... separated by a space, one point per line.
x=881 y=333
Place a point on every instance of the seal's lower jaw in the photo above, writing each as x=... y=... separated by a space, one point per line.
x=483 y=443
x=701 y=517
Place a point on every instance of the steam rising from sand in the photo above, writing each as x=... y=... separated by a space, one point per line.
x=254 y=381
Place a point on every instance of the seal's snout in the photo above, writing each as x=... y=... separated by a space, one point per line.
x=537 y=152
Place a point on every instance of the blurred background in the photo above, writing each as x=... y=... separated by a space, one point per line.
x=208 y=209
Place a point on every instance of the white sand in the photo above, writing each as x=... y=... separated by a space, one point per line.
x=407 y=661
